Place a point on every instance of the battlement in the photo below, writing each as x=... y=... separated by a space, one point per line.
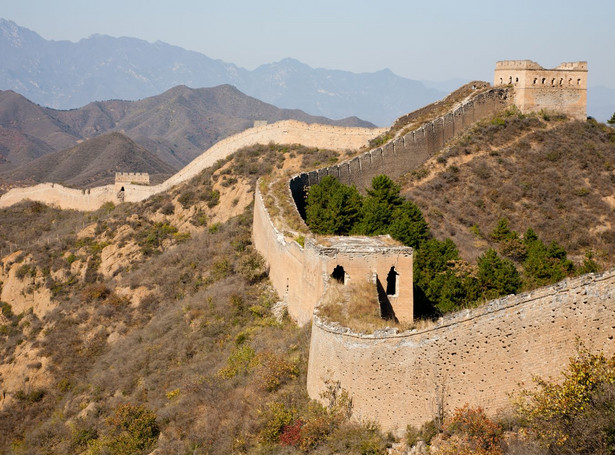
x=517 y=64
x=575 y=66
x=561 y=89
x=132 y=177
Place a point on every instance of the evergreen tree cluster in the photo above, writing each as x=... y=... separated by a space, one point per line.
x=443 y=281
x=541 y=264
x=336 y=209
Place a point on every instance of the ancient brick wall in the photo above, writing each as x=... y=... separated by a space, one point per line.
x=300 y=274
x=475 y=356
x=408 y=151
x=284 y=132
x=141 y=178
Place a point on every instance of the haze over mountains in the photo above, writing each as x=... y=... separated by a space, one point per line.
x=66 y=75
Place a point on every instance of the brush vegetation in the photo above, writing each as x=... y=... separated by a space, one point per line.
x=159 y=331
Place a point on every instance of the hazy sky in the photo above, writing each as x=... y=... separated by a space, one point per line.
x=429 y=40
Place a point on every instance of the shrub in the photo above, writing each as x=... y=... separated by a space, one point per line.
x=25 y=270
x=470 y=432
x=241 y=361
x=275 y=418
x=274 y=371
x=575 y=413
x=134 y=429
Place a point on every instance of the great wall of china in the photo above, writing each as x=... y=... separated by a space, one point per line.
x=283 y=132
x=476 y=356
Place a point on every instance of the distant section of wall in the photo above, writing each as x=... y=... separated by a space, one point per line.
x=561 y=89
x=141 y=178
x=284 y=132
x=61 y=196
x=475 y=356
x=406 y=152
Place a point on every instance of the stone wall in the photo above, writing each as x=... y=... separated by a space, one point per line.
x=284 y=132
x=408 y=151
x=561 y=89
x=141 y=178
x=475 y=356
x=300 y=274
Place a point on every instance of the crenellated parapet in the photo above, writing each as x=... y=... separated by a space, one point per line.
x=477 y=356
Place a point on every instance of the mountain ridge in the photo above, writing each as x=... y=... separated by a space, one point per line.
x=91 y=163
x=176 y=125
x=65 y=75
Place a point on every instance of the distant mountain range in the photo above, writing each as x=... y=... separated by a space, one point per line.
x=175 y=126
x=66 y=75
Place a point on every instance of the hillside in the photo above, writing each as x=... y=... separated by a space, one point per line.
x=27 y=131
x=176 y=126
x=165 y=305
x=67 y=75
x=93 y=162
x=125 y=329
x=548 y=173
x=181 y=123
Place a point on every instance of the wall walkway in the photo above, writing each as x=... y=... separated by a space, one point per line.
x=284 y=132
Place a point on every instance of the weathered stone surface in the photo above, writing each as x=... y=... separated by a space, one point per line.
x=475 y=356
x=562 y=89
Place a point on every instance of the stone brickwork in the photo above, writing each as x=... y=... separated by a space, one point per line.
x=406 y=152
x=283 y=132
x=561 y=89
x=141 y=178
x=300 y=275
x=475 y=356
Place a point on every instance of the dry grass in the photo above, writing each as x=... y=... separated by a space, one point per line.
x=356 y=306
x=551 y=174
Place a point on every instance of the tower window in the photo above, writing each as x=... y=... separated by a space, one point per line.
x=392 y=282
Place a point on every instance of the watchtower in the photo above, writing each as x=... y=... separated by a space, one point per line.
x=561 y=89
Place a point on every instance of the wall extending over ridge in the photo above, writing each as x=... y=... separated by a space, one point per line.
x=409 y=151
x=284 y=132
x=475 y=356
x=298 y=274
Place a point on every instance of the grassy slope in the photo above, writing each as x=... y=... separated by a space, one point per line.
x=554 y=175
x=185 y=328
